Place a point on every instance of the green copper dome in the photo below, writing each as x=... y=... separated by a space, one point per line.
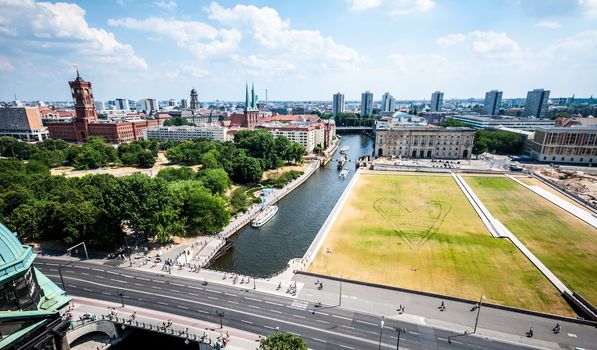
x=14 y=257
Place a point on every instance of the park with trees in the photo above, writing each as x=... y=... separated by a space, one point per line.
x=99 y=208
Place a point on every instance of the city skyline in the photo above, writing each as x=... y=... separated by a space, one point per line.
x=303 y=51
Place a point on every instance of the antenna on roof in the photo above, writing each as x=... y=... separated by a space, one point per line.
x=76 y=67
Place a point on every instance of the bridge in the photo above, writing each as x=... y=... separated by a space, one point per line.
x=354 y=325
x=354 y=128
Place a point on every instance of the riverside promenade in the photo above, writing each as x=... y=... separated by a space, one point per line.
x=204 y=249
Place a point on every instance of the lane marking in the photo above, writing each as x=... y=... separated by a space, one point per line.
x=213 y=291
x=249 y=298
x=275 y=311
x=174 y=290
x=365 y=322
x=85 y=273
x=345 y=347
x=156 y=287
x=346 y=318
x=177 y=284
x=322 y=321
x=112 y=272
x=321 y=340
x=182 y=307
x=162 y=303
x=81 y=267
x=119 y=281
x=249 y=322
x=349 y=327
x=143 y=279
x=272 y=303
x=230 y=294
x=299 y=316
x=254 y=307
x=94 y=269
x=87 y=290
x=126 y=276
x=139 y=284
x=199 y=288
x=203 y=312
x=156 y=281
x=212 y=298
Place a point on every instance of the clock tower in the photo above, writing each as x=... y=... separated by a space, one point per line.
x=84 y=107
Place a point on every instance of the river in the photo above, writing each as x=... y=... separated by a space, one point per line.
x=266 y=250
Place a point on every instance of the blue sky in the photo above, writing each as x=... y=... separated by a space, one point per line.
x=298 y=50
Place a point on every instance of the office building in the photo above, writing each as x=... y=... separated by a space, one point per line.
x=184 y=103
x=366 y=104
x=23 y=123
x=308 y=135
x=480 y=122
x=122 y=104
x=388 y=103
x=181 y=133
x=149 y=106
x=100 y=105
x=576 y=144
x=437 y=99
x=536 y=104
x=338 y=104
x=493 y=99
x=424 y=142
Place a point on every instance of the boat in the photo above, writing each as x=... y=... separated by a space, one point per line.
x=343 y=173
x=341 y=162
x=266 y=215
x=344 y=149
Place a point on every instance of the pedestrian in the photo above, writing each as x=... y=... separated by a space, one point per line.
x=277 y=329
x=530 y=332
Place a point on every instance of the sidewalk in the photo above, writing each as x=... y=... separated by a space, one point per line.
x=239 y=340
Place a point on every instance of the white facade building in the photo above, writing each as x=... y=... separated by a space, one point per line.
x=181 y=133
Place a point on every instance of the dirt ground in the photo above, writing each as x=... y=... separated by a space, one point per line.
x=420 y=232
x=274 y=173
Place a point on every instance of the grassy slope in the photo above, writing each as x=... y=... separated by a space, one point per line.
x=565 y=244
x=460 y=259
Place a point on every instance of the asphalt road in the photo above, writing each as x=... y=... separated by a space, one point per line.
x=260 y=313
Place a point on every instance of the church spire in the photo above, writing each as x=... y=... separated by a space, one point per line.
x=246 y=96
x=253 y=96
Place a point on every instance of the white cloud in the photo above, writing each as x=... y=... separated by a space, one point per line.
x=270 y=31
x=255 y=65
x=196 y=72
x=589 y=6
x=360 y=5
x=61 y=29
x=200 y=38
x=548 y=24
x=394 y=7
x=451 y=39
x=485 y=44
x=166 y=5
x=579 y=49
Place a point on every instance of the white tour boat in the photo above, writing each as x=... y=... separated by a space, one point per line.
x=343 y=174
x=344 y=149
x=265 y=216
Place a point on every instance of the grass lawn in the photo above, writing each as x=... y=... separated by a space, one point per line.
x=565 y=244
x=420 y=232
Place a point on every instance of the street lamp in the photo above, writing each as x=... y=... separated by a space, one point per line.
x=380 y=332
x=62 y=279
x=121 y=298
x=254 y=285
x=478 y=312
x=399 y=330
x=221 y=316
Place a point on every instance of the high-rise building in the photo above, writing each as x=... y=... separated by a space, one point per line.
x=149 y=105
x=184 y=103
x=338 y=104
x=366 y=104
x=493 y=99
x=388 y=103
x=536 y=104
x=437 y=99
x=122 y=104
x=100 y=105
x=194 y=100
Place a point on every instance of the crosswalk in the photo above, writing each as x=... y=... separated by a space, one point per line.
x=299 y=304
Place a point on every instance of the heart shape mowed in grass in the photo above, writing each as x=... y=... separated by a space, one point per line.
x=415 y=226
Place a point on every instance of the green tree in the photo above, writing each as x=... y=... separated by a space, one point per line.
x=282 y=341
x=216 y=180
x=451 y=122
x=145 y=159
x=175 y=174
x=246 y=169
x=178 y=121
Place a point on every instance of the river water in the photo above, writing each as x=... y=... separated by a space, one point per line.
x=266 y=250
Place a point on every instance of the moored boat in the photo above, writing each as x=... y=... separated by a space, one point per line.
x=266 y=215
x=344 y=149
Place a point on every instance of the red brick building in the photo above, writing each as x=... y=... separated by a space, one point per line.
x=86 y=122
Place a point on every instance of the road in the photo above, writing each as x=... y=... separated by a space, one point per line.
x=260 y=313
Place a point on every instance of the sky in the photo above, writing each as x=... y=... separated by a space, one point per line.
x=298 y=49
